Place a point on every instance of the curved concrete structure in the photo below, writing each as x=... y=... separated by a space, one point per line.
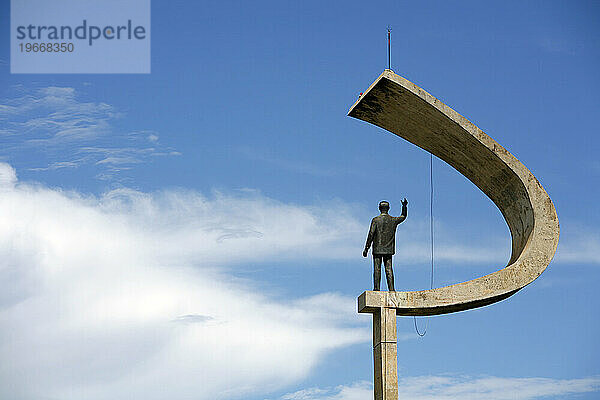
x=399 y=106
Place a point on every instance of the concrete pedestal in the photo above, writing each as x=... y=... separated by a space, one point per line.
x=385 y=340
x=384 y=354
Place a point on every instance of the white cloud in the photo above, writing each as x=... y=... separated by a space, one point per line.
x=57 y=129
x=8 y=176
x=578 y=246
x=448 y=387
x=124 y=296
x=494 y=388
x=128 y=295
x=53 y=115
x=418 y=250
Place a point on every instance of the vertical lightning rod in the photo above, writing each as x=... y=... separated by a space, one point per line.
x=389 y=30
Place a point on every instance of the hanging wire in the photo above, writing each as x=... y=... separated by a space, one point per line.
x=431 y=237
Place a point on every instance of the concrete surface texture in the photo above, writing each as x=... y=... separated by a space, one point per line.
x=385 y=382
x=399 y=106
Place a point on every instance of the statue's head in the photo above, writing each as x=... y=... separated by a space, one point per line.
x=384 y=206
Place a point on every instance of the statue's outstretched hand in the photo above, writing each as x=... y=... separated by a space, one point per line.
x=365 y=251
x=404 y=202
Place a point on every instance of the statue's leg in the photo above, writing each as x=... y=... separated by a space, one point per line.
x=376 y=271
x=389 y=272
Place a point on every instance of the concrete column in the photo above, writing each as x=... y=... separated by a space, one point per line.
x=384 y=354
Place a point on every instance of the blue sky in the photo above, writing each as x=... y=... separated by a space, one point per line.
x=196 y=232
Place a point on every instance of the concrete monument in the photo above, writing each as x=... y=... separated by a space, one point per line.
x=399 y=106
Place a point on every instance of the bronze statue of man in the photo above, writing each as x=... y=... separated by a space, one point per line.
x=382 y=235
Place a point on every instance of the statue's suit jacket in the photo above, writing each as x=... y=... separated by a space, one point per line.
x=382 y=234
